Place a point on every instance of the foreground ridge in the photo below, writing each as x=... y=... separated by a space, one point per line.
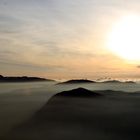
x=79 y=92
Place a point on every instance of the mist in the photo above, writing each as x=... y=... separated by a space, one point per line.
x=19 y=101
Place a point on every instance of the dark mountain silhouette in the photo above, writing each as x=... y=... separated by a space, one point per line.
x=131 y=82
x=112 y=81
x=117 y=81
x=78 y=81
x=1 y=76
x=79 y=92
x=85 y=81
x=22 y=79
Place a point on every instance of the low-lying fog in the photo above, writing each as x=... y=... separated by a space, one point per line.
x=18 y=101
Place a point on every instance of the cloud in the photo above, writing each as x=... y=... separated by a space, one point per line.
x=9 y=24
x=47 y=68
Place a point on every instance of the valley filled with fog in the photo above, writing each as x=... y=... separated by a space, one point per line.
x=19 y=101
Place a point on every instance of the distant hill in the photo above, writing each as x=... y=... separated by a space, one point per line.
x=78 y=81
x=22 y=79
x=131 y=82
x=116 y=81
x=85 y=81
x=111 y=81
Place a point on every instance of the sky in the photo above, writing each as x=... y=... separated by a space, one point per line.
x=63 y=38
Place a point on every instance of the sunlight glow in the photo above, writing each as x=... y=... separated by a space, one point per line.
x=124 y=39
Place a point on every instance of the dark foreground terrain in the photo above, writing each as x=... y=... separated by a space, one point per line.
x=81 y=114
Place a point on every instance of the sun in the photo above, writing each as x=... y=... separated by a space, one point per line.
x=124 y=38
